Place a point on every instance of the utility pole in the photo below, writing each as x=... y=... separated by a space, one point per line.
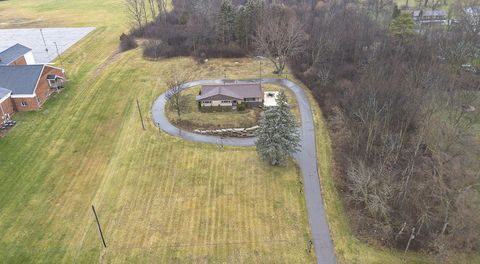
x=44 y=43
x=141 y=116
x=58 y=54
x=61 y=61
x=99 y=227
x=260 y=73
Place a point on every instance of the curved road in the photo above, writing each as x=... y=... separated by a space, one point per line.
x=306 y=158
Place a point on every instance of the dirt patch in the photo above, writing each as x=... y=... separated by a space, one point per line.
x=111 y=59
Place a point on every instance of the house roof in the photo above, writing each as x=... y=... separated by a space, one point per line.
x=11 y=54
x=20 y=79
x=234 y=90
x=429 y=13
x=4 y=93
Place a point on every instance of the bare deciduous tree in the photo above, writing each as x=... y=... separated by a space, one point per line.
x=280 y=37
x=136 y=10
x=153 y=8
x=179 y=103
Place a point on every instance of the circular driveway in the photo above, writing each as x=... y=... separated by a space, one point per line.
x=306 y=158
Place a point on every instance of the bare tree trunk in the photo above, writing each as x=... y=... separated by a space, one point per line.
x=412 y=236
x=153 y=9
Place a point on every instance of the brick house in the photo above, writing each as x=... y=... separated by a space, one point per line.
x=17 y=55
x=228 y=96
x=24 y=85
x=30 y=85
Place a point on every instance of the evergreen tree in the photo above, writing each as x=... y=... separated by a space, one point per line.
x=226 y=22
x=253 y=15
x=241 y=27
x=277 y=136
x=402 y=28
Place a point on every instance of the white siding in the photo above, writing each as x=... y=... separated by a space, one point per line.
x=216 y=103
x=29 y=58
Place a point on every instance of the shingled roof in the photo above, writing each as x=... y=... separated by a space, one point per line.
x=4 y=93
x=13 y=53
x=238 y=91
x=20 y=79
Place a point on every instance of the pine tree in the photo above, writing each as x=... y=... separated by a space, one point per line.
x=402 y=28
x=277 y=136
x=253 y=15
x=241 y=27
x=226 y=22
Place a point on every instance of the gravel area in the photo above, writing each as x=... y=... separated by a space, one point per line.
x=43 y=51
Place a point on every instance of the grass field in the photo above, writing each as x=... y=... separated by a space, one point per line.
x=159 y=199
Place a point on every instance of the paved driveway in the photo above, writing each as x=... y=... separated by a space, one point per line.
x=32 y=38
x=306 y=158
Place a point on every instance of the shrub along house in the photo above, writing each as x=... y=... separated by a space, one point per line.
x=229 y=96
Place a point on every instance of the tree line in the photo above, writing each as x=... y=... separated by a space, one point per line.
x=400 y=104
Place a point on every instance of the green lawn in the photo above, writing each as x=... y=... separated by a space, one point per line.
x=160 y=199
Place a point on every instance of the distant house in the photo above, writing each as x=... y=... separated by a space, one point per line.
x=228 y=96
x=30 y=85
x=430 y=16
x=17 y=55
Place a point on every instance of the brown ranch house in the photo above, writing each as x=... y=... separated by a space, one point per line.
x=23 y=86
x=228 y=96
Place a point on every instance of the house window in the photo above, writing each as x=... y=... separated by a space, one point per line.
x=251 y=99
x=207 y=102
x=226 y=102
x=23 y=103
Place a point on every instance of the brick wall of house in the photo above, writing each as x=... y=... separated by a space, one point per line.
x=7 y=107
x=31 y=104
x=19 y=61
x=43 y=89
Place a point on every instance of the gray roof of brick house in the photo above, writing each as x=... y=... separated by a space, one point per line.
x=429 y=13
x=4 y=92
x=11 y=54
x=20 y=79
x=232 y=90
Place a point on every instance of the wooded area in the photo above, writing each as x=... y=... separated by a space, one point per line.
x=398 y=97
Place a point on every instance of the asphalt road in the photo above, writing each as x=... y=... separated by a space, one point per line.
x=306 y=158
